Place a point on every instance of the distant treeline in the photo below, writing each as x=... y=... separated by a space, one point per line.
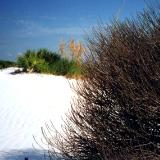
x=6 y=64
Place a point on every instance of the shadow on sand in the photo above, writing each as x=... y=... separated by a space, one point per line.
x=28 y=154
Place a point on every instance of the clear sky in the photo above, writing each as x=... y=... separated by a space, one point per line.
x=33 y=24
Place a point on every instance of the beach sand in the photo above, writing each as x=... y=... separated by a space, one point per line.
x=27 y=102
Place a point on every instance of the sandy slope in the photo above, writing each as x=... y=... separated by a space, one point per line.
x=27 y=102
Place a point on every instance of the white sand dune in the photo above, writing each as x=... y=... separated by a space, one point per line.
x=27 y=102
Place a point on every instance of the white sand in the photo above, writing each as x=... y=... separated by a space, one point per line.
x=27 y=102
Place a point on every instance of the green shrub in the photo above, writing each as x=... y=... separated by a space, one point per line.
x=32 y=63
x=40 y=66
x=26 y=61
x=74 y=69
x=60 y=67
x=66 y=67
x=44 y=61
x=48 y=56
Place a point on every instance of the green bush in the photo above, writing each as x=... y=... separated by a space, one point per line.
x=60 y=67
x=32 y=63
x=48 y=56
x=44 y=61
x=66 y=67
x=74 y=69
x=26 y=61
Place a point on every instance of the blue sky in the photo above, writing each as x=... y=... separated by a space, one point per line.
x=33 y=24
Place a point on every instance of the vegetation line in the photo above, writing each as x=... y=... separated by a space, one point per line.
x=45 y=61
